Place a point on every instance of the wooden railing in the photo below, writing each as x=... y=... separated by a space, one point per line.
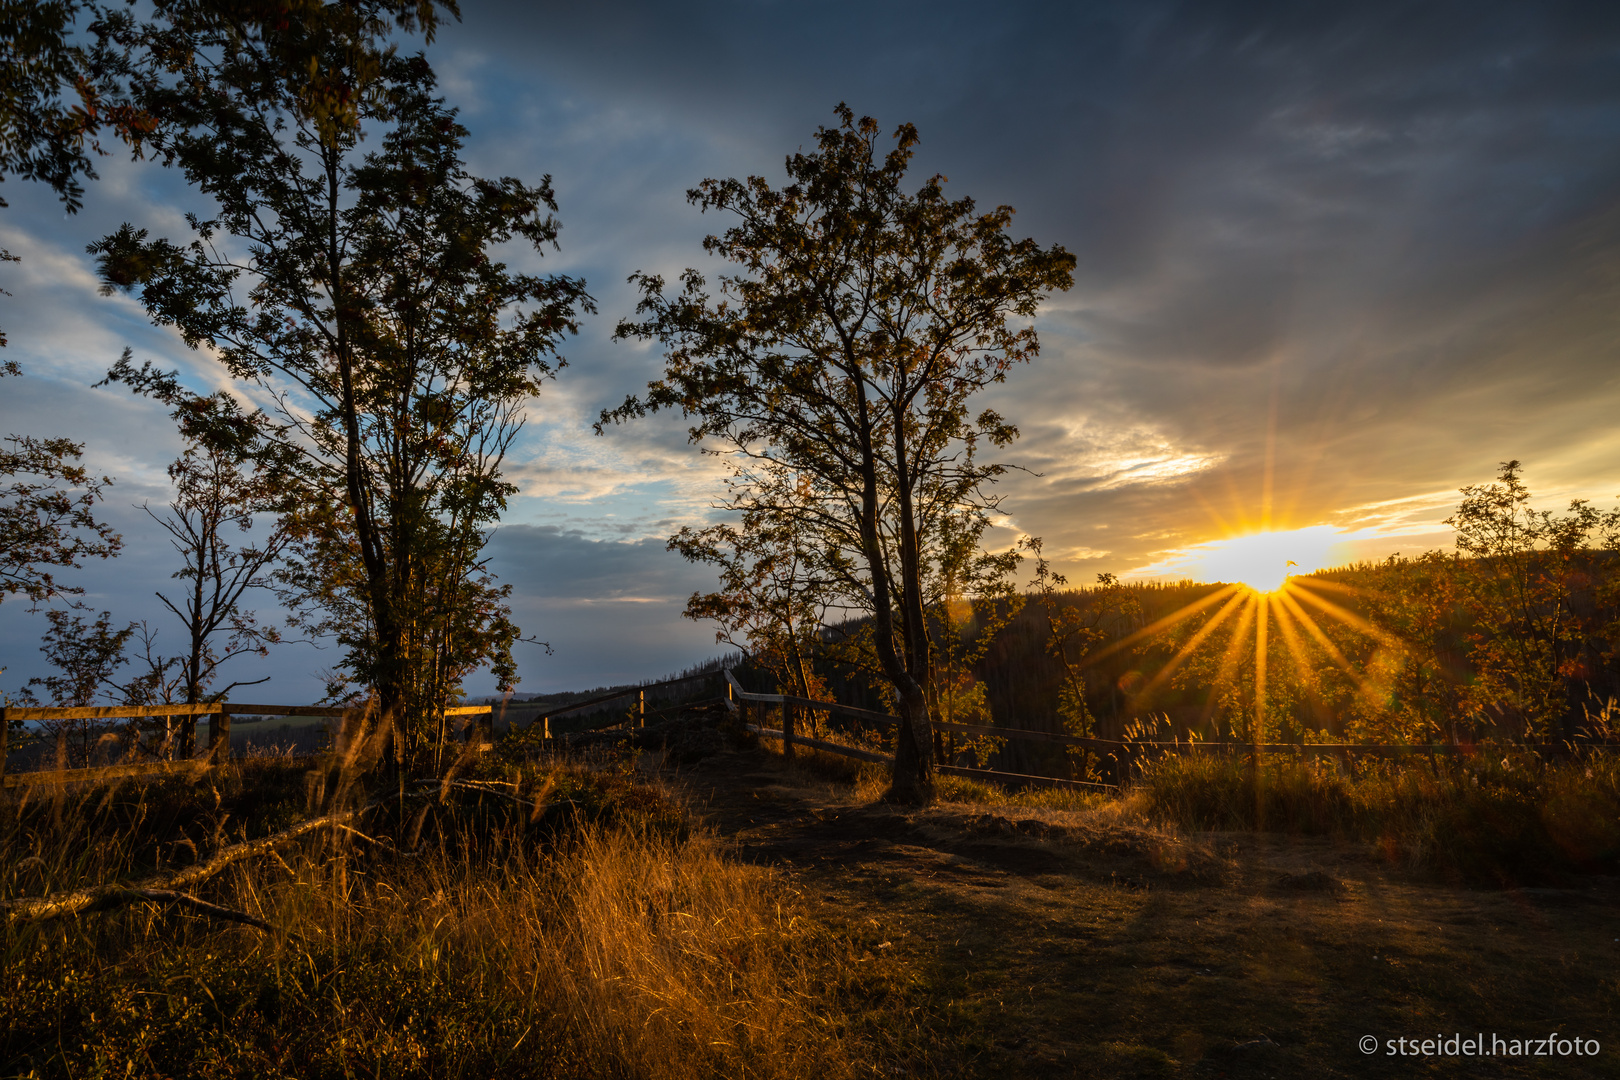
x=1119 y=756
x=218 y=715
x=790 y=738
x=546 y=713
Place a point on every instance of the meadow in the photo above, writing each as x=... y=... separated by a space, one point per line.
x=746 y=916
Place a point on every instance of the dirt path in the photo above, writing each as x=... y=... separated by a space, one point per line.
x=1022 y=942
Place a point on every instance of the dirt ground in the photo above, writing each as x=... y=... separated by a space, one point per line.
x=1013 y=941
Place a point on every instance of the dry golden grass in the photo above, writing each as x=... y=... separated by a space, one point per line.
x=1501 y=816
x=559 y=922
x=609 y=945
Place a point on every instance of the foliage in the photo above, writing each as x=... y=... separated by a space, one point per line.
x=1112 y=611
x=85 y=655
x=772 y=602
x=218 y=488
x=54 y=101
x=1522 y=568
x=1411 y=668
x=1507 y=638
x=46 y=519
x=962 y=625
x=231 y=472
x=1500 y=816
x=836 y=369
x=398 y=353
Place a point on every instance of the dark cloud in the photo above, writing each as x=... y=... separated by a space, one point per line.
x=1334 y=261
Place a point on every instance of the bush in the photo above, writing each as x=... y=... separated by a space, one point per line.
x=1500 y=815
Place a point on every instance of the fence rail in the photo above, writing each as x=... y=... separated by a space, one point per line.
x=1123 y=753
x=790 y=739
x=218 y=714
x=546 y=713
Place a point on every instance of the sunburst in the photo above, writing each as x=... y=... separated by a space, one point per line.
x=1293 y=604
x=1262 y=560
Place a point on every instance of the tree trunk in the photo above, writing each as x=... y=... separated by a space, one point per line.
x=913 y=780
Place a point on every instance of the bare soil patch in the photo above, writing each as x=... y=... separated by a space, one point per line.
x=1010 y=941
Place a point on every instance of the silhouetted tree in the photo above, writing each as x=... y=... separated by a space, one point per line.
x=398 y=351
x=773 y=598
x=842 y=359
x=86 y=656
x=1519 y=578
x=54 y=102
x=45 y=517
x=46 y=500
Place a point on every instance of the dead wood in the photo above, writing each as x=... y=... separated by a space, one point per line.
x=170 y=888
x=201 y=907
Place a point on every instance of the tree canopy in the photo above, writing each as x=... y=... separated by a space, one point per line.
x=836 y=368
x=357 y=292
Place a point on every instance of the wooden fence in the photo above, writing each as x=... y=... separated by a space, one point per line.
x=1118 y=758
x=218 y=715
x=546 y=713
x=791 y=705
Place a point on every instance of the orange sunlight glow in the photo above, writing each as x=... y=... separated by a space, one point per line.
x=1263 y=588
x=1263 y=560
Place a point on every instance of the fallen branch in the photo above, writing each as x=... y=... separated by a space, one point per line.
x=481 y=787
x=201 y=907
x=169 y=888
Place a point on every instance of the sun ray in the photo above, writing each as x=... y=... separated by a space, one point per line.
x=1316 y=632
x=1162 y=624
x=1350 y=618
x=1290 y=633
x=1262 y=620
x=1324 y=583
x=1191 y=645
x=1222 y=524
x=1363 y=688
x=1234 y=649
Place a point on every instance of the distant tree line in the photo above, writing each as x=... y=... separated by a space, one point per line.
x=1512 y=636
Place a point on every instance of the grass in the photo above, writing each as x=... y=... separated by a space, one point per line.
x=762 y=919
x=1091 y=941
x=1500 y=816
x=609 y=941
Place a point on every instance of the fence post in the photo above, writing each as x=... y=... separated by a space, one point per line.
x=219 y=736
x=5 y=727
x=61 y=749
x=641 y=708
x=787 y=729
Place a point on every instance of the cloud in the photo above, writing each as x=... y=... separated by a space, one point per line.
x=1334 y=262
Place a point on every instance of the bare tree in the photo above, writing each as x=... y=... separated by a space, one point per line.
x=225 y=482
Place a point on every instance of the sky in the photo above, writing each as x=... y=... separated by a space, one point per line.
x=1334 y=263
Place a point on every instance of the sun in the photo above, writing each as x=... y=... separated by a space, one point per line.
x=1264 y=560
